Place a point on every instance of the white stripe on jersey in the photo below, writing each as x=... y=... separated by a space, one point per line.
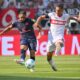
x=57 y=22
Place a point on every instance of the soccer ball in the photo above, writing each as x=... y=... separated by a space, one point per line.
x=30 y=63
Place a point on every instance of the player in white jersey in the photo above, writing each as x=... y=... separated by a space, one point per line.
x=56 y=32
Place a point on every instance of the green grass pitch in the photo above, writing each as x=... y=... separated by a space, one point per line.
x=68 y=69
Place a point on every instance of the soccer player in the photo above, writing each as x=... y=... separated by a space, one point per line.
x=56 y=32
x=28 y=38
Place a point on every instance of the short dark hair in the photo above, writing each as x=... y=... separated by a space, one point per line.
x=60 y=6
x=22 y=12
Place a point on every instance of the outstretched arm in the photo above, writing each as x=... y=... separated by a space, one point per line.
x=40 y=19
x=37 y=24
x=6 y=29
x=40 y=31
x=75 y=18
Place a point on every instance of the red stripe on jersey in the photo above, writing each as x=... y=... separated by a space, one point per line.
x=57 y=22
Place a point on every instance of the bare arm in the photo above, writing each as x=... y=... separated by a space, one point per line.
x=75 y=18
x=78 y=19
x=37 y=24
x=6 y=29
x=40 y=32
x=40 y=19
x=40 y=28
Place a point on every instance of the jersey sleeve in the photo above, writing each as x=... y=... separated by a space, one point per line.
x=14 y=24
x=47 y=16
x=67 y=16
x=32 y=21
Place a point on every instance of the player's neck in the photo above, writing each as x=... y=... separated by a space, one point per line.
x=21 y=21
x=59 y=15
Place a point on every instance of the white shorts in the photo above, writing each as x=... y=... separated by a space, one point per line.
x=52 y=41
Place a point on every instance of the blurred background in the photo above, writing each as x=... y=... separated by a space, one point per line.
x=35 y=8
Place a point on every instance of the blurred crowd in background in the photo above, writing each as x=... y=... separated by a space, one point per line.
x=72 y=7
x=43 y=6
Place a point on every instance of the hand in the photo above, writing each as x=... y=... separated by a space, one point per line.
x=41 y=33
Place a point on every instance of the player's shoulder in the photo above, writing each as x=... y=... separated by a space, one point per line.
x=66 y=14
x=14 y=22
x=28 y=19
x=51 y=14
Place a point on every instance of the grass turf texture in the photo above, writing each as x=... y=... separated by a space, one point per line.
x=68 y=69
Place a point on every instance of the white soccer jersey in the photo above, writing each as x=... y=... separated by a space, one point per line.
x=57 y=24
x=56 y=32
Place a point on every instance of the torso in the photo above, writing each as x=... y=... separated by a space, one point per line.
x=25 y=28
x=57 y=24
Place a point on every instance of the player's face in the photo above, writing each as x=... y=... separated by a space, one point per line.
x=59 y=11
x=21 y=17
